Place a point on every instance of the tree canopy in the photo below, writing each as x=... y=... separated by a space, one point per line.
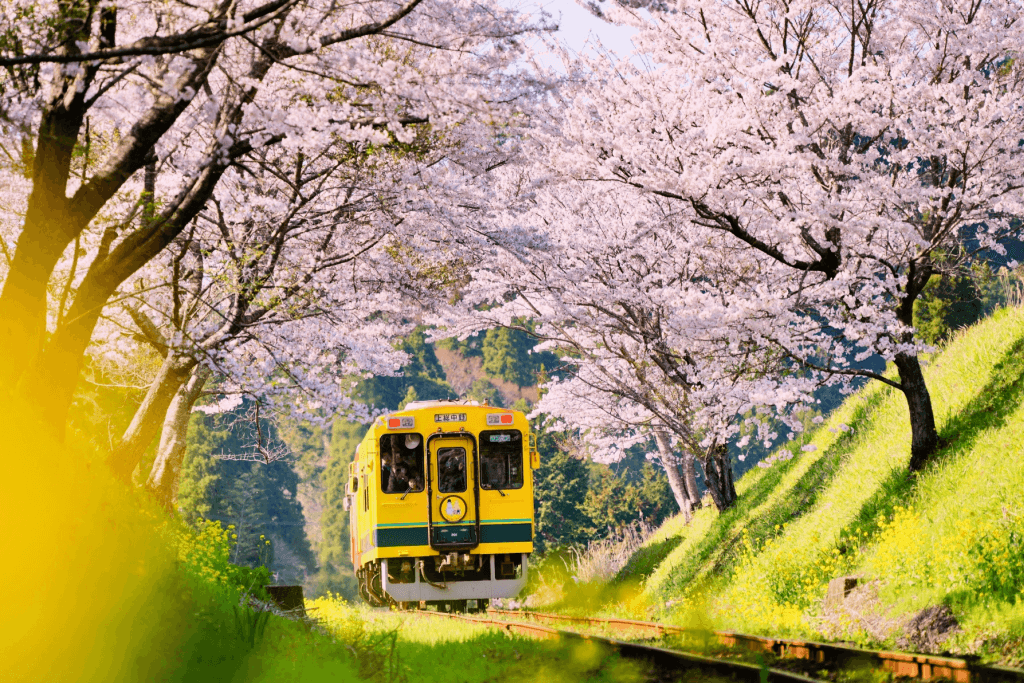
x=277 y=204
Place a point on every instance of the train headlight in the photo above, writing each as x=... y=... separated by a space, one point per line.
x=500 y=419
x=401 y=422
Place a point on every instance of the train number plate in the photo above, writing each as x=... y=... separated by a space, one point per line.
x=450 y=417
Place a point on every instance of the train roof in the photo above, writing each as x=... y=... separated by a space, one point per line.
x=443 y=403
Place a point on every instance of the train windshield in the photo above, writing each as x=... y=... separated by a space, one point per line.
x=501 y=459
x=401 y=463
x=451 y=470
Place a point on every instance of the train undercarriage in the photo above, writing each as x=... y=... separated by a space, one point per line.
x=453 y=581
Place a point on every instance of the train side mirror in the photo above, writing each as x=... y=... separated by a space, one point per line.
x=346 y=503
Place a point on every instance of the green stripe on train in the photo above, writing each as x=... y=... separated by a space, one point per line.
x=486 y=521
x=506 y=533
x=391 y=537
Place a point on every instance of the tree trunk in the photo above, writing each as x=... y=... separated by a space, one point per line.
x=23 y=300
x=718 y=477
x=146 y=422
x=690 y=475
x=50 y=382
x=669 y=462
x=50 y=225
x=52 y=221
x=924 y=440
x=163 y=478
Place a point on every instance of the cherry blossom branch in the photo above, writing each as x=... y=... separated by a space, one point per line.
x=210 y=34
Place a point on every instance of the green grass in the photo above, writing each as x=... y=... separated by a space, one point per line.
x=438 y=650
x=952 y=534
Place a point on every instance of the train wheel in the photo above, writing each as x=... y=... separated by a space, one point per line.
x=378 y=588
x=363 y=592
x=374 y=587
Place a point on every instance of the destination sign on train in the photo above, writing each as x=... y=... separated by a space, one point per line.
x=450 y=417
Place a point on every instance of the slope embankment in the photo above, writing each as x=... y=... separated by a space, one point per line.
x=935 y=560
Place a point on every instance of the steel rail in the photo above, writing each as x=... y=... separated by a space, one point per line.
x=900 y=664
x=663 y=659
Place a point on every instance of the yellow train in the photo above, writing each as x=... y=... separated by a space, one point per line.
x=440 y=497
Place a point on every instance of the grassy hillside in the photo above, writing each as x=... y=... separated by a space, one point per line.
x=952 y=535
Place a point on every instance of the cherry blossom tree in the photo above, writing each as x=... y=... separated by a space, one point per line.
x=652 y=327
x=293 y=282
x=98 y=101
x=848 y=152
x=243 y=293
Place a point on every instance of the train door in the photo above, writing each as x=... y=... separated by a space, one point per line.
x=452 y=494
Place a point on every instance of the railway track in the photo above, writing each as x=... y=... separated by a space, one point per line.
x=824 y=657
x=667 y=664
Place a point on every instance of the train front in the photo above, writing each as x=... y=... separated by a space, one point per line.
x=450 y=516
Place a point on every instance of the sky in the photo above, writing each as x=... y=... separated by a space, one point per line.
x=576 y=26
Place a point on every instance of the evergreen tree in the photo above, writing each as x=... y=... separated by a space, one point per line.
x=309 y=445
x=507 y=356
x=423 y=373
x=952 y=302
x=410 y=396
x=336 y=571
x=470 y=346
x=628 y=491
x=199 y=470
x=258 y=498
x=560 y=490
x=483 y=391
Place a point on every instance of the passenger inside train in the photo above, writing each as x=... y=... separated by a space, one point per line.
x=501 y=459
x=401 y=463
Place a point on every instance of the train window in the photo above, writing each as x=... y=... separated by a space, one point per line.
x=451 y=469
x=401 y=463
x=501 y=459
